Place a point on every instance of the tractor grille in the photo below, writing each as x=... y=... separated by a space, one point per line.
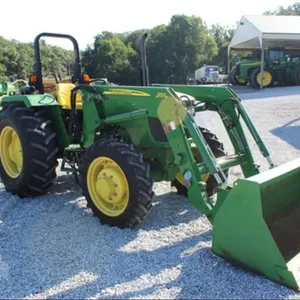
x=214 y=75
x=157 y=130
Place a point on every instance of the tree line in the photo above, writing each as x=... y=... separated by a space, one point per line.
x=173 y=51
x=17 y=59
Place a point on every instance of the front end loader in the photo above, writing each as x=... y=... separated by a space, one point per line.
x=118 y=140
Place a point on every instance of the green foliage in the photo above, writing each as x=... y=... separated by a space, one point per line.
x=173 y=51
x=189 y=45
x=16 y=59
x=222 y=36
x=110 y=57
x=291 y=10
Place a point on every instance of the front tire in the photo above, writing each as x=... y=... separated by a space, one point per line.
x=237 y=80
x=28 y=151
x=116 y=183
x=232 y=78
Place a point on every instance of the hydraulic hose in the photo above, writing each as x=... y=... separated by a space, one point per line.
x=74 y=117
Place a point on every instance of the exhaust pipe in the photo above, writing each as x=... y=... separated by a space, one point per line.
x=144 y=68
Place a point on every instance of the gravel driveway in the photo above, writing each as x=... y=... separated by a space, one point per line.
x=52 y=246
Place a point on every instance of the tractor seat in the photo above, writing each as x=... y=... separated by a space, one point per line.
x=63 y=93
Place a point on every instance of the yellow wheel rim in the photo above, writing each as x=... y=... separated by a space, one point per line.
x=180 y=179
x=267 y=78
x=179 y=175
x=240 y=80
x=11 y=153
x=108 y=186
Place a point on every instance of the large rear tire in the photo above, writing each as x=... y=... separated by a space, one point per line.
x=268 y=78
x=28 y=151
x=296 y=75
x=116 y=183
x=218 y=150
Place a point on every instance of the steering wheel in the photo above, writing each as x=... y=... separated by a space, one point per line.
x=98 y=79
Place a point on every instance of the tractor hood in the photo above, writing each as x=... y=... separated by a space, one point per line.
x=185 y=96
x=248 y=61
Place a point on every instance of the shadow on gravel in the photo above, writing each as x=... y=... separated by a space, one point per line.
x=168 y=210
x=48 y=240
x=290 y=133
x=59 y=250
x=145 y=273
x=64 y=184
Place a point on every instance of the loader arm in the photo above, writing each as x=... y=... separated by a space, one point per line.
x=175 y=120
x=228 y=105
x=255 y=220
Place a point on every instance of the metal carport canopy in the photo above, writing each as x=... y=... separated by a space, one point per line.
x=262 y=32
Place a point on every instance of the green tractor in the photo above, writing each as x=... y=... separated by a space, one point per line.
x=11 y=88
x=235 y=77
x=279 y=66
x=118 y=140
x=6 y=88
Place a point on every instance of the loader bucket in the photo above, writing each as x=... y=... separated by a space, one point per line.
x=258 y=224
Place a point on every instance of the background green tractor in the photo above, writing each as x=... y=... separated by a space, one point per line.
x=235 y=76
x=118 y=140
x=11 y=88
x=280 y=66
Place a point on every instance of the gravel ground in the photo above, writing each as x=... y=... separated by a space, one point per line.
x=52 y=246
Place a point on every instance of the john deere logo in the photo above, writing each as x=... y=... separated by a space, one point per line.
x=123 y=92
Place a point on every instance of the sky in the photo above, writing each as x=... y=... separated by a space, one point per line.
x=23 y=20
